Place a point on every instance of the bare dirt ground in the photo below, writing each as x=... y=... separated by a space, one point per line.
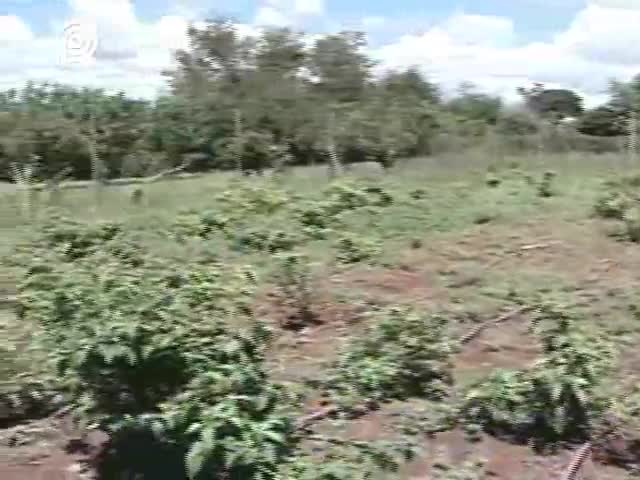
x=446 y=273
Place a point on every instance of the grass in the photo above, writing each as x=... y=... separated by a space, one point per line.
x=459 y=245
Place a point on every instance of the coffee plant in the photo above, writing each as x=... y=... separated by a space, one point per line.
x=294 y=283
x=70 y=239
x=475 y=469
x=556 y=398
x=163 y=351
x=251 y=199
x=349 y=460
x=264 y=240
x=545 y=187
x=197 y=224
x=403 y=354
x=347 y=195
x=621 y=201
x=352 y=248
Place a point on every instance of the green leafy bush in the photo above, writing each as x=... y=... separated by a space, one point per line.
x=346 y=195
x=196 y=224
x=557 y=397
x=70 y=239
x=612 y=205
x=265 y=240
x=404 y=353
x=354 y=249
x=348 y=460
x=168 y=353
x=545 y=187
x=293 y=281
x=252 y=199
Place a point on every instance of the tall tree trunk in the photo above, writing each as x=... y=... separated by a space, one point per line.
x=238 y=140
x=335 y=164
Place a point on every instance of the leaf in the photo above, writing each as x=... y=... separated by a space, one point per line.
x=195 y=459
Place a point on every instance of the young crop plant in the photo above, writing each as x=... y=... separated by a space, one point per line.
x=197 y=224
x=349 y=195
x=349 y=460
x=72 y=240
x=167 y=354
x=354 y=249
x=621 y=201
x=558 y=397
x=545 y=187
x=251 y=199
x=294 y=283
x=404 y=353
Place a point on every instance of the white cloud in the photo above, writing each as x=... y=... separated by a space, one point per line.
x=272 y=16
x=624 y=4
x=13 y=31
x=598 y=44
x=282 y=13
x=309 y=7
x=606 y=35
x=593 y=49
x=373 y=22
x=480 y=29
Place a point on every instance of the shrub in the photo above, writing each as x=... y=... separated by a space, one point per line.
x=612 y=204
x=293 y=280
x=493 y=181
x=244 y=199
x=346 y=195
x=166 y=353
x=418 y=194
x=354 y=249
x=556 y=398
x=545 y=187
x=631 y=218
x=266 y=240
x=404 y=353
x=72 y=240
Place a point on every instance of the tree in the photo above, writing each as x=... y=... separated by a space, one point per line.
x=517 y=123
x=473 y=105
x=341 y=70
x=556 y=104
x=602 y=121
x=411 y=83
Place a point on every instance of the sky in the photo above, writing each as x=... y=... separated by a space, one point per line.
x=498 y=45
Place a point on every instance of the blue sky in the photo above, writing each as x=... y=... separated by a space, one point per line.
x=535 y=19
x=496 y=44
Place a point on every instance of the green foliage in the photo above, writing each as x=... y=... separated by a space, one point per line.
x=557 y=397
x=348 y=460
x=545 y=187
x=252 y=199
x=74 y=240
x=469 y=470
x=404 y=353
x=265 y=240
x=347 y=195
x=294 y=283
x=196 y=224
x=612 y=204
x=493 y=181
x=620 y=201
x=319 y=218
x=553 y=103
x=167 y=349
x=352 y=248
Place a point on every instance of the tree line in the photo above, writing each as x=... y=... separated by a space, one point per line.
x=267 y=102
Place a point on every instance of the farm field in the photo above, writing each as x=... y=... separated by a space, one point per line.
x=450 y=319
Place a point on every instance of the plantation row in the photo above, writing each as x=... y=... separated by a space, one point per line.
x=166 y=354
